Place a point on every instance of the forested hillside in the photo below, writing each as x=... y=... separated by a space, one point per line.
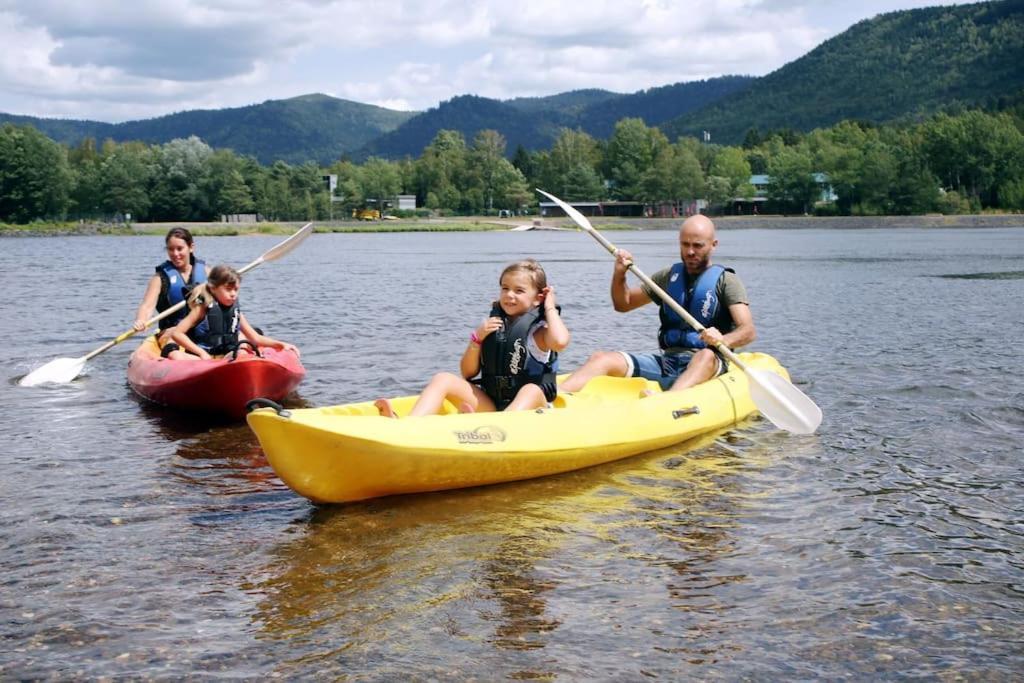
x=307 y=128
x=469 y=114
x=897 y=65
x=657 y=105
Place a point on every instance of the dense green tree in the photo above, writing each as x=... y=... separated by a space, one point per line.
x=379 y=181
x=441 y=169
x=525 y=161
x=791 y=184
x=568 y=170
x=178 y=183
x=511 y=189
x=86 y=200
x=632 y=149
x=731 y=163
x=718 y=191
x=974 y=153
x=485 y=159
x=277 y=201
x=234 y=195
x=35 y=178
x=224 y=185
x=126 y=175
x=581 y=183
x=673 y=174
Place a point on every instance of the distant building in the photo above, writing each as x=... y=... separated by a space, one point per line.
x=636 y=209
x=760 y=182
x=406 y=202
x=241 y=218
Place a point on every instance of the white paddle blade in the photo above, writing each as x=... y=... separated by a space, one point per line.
x=57 y=371
x=783 y=404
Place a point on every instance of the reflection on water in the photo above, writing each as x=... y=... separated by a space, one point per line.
x=138 y=543
x=506 y=567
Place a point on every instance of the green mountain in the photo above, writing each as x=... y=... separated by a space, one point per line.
x=901 y=64
x=536 y=122
x=658 y=105
x=572 y=102
x=310 y=127
x=470 y=114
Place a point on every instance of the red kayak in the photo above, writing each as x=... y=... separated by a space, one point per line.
x=221 y=385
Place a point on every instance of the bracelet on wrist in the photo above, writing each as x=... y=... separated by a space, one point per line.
x=473 y=339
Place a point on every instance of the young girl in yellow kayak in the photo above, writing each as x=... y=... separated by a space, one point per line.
x=213 y=329
x=514 y=351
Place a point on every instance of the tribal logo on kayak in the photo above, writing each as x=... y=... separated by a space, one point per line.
x=487 y=434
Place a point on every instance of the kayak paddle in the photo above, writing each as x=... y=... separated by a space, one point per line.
x=62 y=370
x=778 y=400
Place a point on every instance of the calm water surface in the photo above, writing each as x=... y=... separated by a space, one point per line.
x=137 y=543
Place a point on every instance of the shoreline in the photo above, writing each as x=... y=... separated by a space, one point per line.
x=480 y=224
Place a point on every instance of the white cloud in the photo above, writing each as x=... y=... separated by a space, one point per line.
x=110 y=60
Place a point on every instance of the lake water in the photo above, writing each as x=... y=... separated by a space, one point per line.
x=141 y=544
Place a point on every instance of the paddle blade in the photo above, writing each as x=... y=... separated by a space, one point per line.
x=782 y=403
x=577 y=217
x=57 y=371
x=289 y=244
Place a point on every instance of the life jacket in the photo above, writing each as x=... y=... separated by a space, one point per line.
x=700 y=300
x=220 y=333
x=506 y=364
x=174 y=289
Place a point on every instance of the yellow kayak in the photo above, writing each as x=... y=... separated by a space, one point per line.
x=349 y=452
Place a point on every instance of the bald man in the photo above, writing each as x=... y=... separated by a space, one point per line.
x=711 y=293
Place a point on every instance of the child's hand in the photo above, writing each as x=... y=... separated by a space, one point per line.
x=285 y=346
x=204 y=355
x=548 y=298
x=487 y=326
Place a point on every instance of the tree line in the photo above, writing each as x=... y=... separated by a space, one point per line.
x=951 y=163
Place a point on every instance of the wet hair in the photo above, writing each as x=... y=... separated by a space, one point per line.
x=180 y=233
x=223 y=274
x=536 y=272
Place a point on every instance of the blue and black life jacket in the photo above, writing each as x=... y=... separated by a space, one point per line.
x=506 y=364
x=218 y=332
x=174 y=289
x=700 y=299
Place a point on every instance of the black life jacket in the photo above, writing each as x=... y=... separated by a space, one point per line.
x=221 y=329
x=506 y=364
x=173 y=289
x=700 y=299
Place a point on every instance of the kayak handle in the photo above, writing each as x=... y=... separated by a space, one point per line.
x=267 y=403
x=255 y=349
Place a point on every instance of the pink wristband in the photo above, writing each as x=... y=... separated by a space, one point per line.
x=474 y=339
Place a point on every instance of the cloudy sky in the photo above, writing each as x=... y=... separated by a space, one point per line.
x=111 y=60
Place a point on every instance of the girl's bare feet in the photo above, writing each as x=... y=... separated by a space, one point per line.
x=384 y=407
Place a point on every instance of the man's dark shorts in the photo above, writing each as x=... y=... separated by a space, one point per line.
x=663 y=368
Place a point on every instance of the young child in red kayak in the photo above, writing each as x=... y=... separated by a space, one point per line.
x=514 y=351
x=213 y=329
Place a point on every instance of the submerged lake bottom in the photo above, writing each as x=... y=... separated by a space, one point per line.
x=139 y=543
